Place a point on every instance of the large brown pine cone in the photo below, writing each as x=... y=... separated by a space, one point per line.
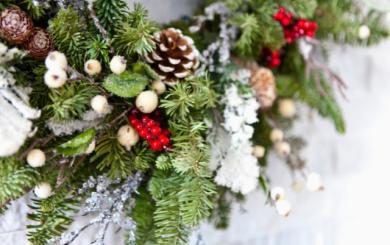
x=39 y=44
x=15 y=25
x=175 y=56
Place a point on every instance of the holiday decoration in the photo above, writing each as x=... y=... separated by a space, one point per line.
x=92 y=67
x=128 y=153
x=159 y=87
x=175 y=56
x=277 y=193
x=258 y=151
x=99 y=104
x=36 y=158
x=276 y=135
x=263 y=83
x=127 y=136
x=55 y=78
x=149 y=128
x=314 y=182
x=43 y=190
x=55 y=60
x=39 y=44
x=294 y=28
x=147 y=101
x=15 y=25
x=287 y=108
x=118 y=64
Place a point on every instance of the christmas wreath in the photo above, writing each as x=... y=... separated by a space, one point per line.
x=153 y=129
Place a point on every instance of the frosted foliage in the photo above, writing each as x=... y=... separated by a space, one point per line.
x=232 y=147
x=15 y=112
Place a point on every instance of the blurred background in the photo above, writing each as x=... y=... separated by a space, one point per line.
x=355 y=206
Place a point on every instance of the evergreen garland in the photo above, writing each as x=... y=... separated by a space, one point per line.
x=210 y=119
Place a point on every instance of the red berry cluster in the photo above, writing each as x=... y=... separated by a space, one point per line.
x=149 y=128
x=295 y=28
x=271 y=57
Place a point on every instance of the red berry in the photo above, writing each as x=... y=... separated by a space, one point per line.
x=155 y=145
x=149 y=137
x=164 y=140
x=155 y=130
x=143 y=133
x=150 y=124
x=166 y=132
x=134 y=121
x=134 y=112
x=138 y=126
x=145 y=119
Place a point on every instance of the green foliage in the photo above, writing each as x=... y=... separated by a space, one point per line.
x=98 y=49
x=70 y=35
x=70 y=101
x=110 y=156
x=51 y=217
x=196 y=93
x=15 y=179
x=135 y=34
x=142 y=214
x=77 y=145
x=110 y=12
x=126 y=84
x=323 y=101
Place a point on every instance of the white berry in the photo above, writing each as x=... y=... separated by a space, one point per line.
x=118 y=64
x=283 y=207
x=277 y=193
x=55 y=78
x=258 y=151
x=56 y=59
x=147 y=101
x=298 y=185
x=364 y=32
x=276 y=135
x=159 y=87
x=314 y=182
x=43 y=190
x=287 y=108
x=127 y=136
x=92 y=67
x=91 y=147
x=99 y=104
x=36 y=158
x=283 y=148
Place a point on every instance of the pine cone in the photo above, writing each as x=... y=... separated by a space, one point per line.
x=175 y=56
x=263 y=83
x=39 y=44
x=15 y=25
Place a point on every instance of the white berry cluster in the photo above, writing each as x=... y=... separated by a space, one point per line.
x=57 y=64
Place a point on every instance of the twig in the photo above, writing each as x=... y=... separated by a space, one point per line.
x=41 y=141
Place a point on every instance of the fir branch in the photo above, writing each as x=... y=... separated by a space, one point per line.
x=112 y=157
x=15 y=180
x=70 y=101
x=110 y=13
x=135 y=34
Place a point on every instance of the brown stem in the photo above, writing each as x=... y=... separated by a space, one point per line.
x=41 y=142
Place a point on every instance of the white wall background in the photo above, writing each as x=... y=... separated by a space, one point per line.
x=354 y=208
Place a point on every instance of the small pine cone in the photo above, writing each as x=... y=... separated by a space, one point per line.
x=39 y=44
x=263 y=83
x=15 y=25
x=175 y=56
